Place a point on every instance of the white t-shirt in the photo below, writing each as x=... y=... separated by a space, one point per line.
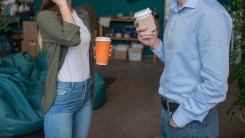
x=76 y=65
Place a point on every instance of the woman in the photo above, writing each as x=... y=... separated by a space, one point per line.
x=69 y=91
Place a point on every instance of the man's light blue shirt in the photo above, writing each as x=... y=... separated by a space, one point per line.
x=195 y=51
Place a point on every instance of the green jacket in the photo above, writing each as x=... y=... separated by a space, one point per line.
x=57 y=37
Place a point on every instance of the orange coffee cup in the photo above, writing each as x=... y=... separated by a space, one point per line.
x=103 y=45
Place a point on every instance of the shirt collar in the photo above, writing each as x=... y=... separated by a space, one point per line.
x=188 y=4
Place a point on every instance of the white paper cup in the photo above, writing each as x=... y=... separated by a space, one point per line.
x=146 y=19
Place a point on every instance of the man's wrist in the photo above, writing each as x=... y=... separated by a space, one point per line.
x=156 y=44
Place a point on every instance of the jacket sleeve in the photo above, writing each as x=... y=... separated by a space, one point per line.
x=53 y=31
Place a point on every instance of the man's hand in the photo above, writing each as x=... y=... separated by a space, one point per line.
x=147 y=38
x=173 y=124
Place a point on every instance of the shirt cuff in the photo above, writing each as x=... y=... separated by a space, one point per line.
x=160 y=50
x=70 y=30
x=180 y=119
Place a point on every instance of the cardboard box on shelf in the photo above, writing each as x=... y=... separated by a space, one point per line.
x=120 y=54
x=135 y=54
x=32 y=47
x=88 y=7
x=120 y=51
x=30 y=30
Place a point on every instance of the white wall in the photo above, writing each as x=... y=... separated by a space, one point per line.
x=167 y=7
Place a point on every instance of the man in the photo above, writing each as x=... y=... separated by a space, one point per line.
x=195 y=51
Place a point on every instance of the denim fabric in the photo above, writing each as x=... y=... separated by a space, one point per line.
x=209 y=128
x=71 y=113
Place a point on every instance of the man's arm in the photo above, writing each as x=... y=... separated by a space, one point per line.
x=159 y=51
x=151 y=40
x=214 y=35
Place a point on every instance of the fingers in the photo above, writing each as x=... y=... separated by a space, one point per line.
x=136 y=24
x=141 y=34
x=140 y=29
x=146 y=37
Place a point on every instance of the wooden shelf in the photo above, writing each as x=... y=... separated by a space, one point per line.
x=157 y=22
x=123 y=20
x=124 y=39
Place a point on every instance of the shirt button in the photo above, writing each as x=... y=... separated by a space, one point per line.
x=159 y=52
x=69 y=39
x=177 y=14
x=160 y=88
x=167 y=51
x=170 y=32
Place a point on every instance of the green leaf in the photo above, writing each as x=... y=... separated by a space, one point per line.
x=229 y=1
x=227 y=7
x=237 y=71
x=239 y=43
x=240 y=3
x=234 y=55
x=228 y=112
x=232 y=116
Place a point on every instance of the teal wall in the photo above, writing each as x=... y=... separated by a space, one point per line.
x=112 y=7
x=225 y=2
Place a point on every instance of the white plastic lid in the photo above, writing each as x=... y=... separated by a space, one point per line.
x=142 y=13
x=103 y=39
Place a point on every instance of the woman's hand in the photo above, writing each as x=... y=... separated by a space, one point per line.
x=147 y=38
x=60 y=3
x=109 y=50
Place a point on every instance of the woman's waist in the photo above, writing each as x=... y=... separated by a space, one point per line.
x=69 y=84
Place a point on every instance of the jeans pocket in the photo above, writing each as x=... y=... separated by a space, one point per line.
x=63 y=92
x=174 y=132
x=212 y=127
x=187 y=126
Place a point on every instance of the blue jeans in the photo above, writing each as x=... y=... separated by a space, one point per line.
x=71 y=113
x=208 y=128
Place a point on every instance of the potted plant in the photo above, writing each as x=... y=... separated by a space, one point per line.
x=4 y=25
x=238 y=73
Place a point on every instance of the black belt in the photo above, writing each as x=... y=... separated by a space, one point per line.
x=172 y=105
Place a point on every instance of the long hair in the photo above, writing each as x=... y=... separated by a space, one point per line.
x=50 y=6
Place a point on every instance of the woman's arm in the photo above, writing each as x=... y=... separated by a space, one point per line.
x=53 y=31
x=65 y=11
